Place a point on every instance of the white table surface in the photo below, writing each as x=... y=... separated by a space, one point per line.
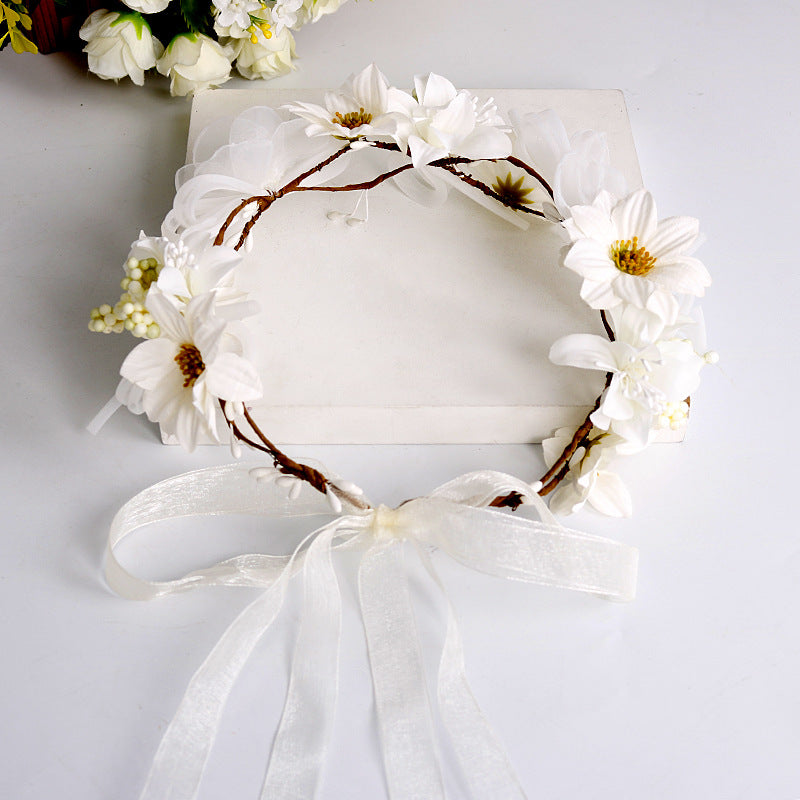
x=689 y=692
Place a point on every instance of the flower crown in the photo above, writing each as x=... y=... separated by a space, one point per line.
x=192 y=375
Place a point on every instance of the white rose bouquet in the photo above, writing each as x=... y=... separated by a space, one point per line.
x=196 y=43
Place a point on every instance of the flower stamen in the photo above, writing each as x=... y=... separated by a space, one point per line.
x=352 y=119
x=190 y=363
x=512 y=192
x=628 y=257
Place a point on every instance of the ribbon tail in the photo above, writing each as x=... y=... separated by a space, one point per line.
x=484 y=762
x=298 y=751
x=184 y=750
x=401 y=699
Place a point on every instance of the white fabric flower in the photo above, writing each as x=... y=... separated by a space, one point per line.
x=232 y=17
x=577 y=167
x=184 y=373
x=647 y=371
x=265 y=58
x=119 y=45
x=194 y=62
x=443 y=122
x=192 y=267
x=359 y=108
x=263 y=154
x=147 y=6
x=588 y=480
x=625 y=254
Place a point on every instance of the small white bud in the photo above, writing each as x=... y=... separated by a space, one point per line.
x=350 y=488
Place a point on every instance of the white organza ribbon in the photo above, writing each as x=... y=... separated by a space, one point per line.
x=455 y=519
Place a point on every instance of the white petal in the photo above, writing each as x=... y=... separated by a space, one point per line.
x=232 y=377
x=589 y=258
x=664 y=305
x=685 y=275
x=637 y=326
x=633 y=289
x=543 y=139
x=423 y=153
x=635 y=216
x=169 y=319
x=484 y=142
x=615 y=405
x=584 y=350
x=610 y=496
x=594 y=222
x=207 y=338
x=163 y=403
x=187 y=427
x=433 y=90
x=171 y=281
x=553 y=447
x=369 y=89
x=635 y=432
x=566 y=499
x=599 y=295
x=673 y=237
x=457 y=118
x=148 y=363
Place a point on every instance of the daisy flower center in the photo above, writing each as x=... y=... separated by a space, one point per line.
x=190 y=363
x=352 y=119
x=512 y=191
x=630 y=258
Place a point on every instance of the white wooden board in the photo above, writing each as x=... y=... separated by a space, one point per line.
x=423 y=325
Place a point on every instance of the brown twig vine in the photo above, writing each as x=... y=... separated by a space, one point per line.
x=286 y=465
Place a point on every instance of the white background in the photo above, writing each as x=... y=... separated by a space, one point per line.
x=689 y=692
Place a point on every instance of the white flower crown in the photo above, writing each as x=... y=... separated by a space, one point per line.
x=180 y=294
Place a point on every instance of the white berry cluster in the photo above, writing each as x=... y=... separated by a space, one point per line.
x=129 y=312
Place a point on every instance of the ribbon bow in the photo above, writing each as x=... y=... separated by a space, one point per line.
x=453 y=518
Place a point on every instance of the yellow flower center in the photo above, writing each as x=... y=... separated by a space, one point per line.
x=352 y=119
x=512 y=191
x=629 y=257
x=190 y=363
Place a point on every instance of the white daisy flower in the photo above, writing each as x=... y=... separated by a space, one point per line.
x=625 y=254
x=185 y=372
x=358 y=109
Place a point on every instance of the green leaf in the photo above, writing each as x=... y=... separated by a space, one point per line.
x=197 y=15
